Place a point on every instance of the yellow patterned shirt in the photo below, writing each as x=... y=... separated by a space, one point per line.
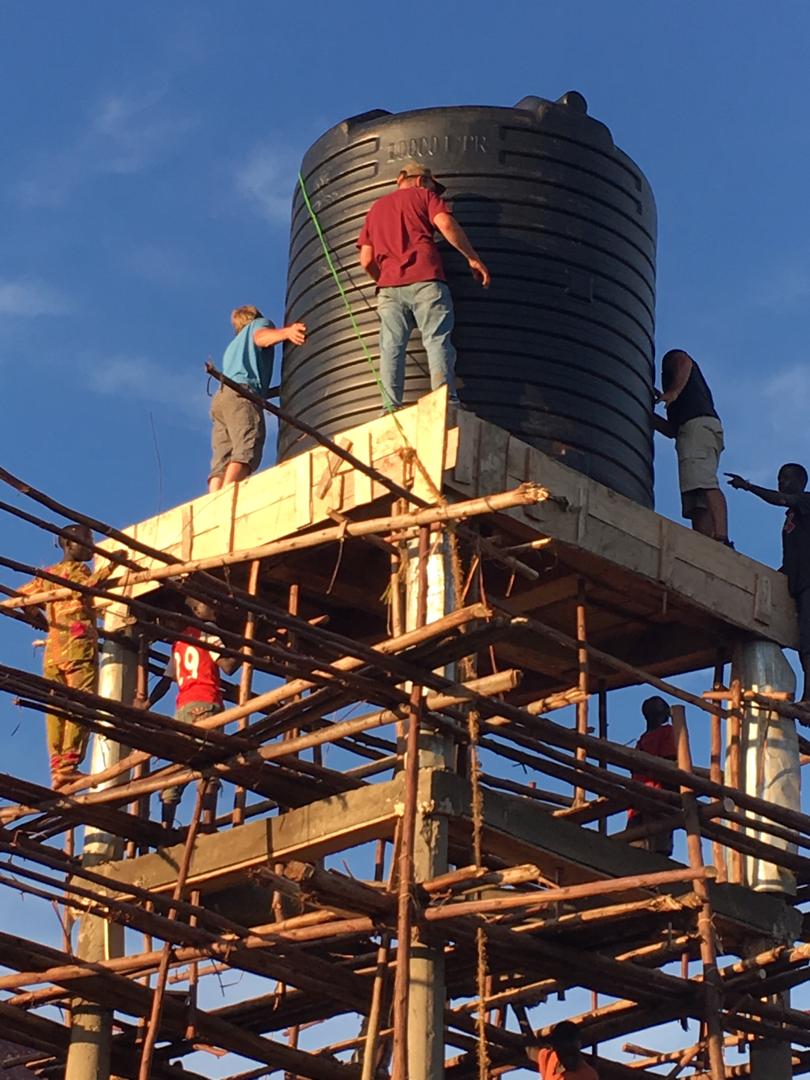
x=72 y=632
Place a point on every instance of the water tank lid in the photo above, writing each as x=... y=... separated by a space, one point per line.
x=362 y=118
x=571 y=99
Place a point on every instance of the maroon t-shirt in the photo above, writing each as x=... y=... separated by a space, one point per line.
x=399 y=227
x=661 y=742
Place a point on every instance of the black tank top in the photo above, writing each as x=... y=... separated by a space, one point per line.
x=694 y=400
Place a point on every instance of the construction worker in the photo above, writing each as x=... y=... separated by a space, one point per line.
x=693 y=423
x=195 y=667
x=791 y=482
x=658 y=739
x=562 y=1059
x=71 y=649
x=238 y=434
x=398 y=251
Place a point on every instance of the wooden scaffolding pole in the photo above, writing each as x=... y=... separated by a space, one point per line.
x=406 y=898
x=245 y=683
x=582 y=682
x=712 y=986
x=735 y=767
x=153 y=1024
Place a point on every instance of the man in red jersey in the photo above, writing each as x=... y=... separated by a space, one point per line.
x=398 y=250
x=658 y=739
x=195 y=667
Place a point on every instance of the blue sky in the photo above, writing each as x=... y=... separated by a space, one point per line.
x=149 y=152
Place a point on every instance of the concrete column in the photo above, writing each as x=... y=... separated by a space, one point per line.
x=771 y=1060
x=91 y=1026
x=427 y=975
x=770 y=762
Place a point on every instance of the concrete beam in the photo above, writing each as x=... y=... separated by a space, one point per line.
x=308 y=833
x=515 y=829
x=518 y=831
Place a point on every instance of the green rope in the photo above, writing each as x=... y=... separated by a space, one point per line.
x=387 y=403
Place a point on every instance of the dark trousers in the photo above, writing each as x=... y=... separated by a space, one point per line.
x=803 y=611
x=660 y=842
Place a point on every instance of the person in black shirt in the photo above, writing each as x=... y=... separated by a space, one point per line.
x=693 y=423
x=791 y=481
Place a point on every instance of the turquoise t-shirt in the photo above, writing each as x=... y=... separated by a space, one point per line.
x=245 y=363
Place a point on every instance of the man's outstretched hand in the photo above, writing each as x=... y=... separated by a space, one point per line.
x=297 y=333
x=738 y=482
x=479 y=272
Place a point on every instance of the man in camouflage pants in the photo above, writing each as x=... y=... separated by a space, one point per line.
x=71 y=651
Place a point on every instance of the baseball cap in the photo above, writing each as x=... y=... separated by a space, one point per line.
x=413 y=168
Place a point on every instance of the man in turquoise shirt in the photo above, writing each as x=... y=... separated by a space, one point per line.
x=238 y=434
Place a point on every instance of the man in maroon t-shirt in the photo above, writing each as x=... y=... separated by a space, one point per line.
x=398 y=251
x=658 y=739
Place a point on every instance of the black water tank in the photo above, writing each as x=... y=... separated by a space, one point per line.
x=559 y=350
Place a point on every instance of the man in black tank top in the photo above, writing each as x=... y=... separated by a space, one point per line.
x=791 y=482
x=693 y=423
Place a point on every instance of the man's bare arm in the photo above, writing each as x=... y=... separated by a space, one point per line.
x=682 y=363
x=159 y=691
x=267 y=336
x=368 y=262
x=664 y=426
x=228 y=664
x=455 y=235
x=768 y=495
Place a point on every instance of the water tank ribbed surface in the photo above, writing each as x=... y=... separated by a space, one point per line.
x=559 y=350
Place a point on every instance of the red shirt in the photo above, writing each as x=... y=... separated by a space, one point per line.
x=399 y=227
x=551 y=1069
x=661 y=742
x=195 y=668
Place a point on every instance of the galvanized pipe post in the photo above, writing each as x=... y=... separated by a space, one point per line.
x=91 y=1027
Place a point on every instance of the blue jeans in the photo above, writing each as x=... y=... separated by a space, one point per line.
x=428 y=306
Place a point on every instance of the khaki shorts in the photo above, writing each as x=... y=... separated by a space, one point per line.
x=699 y=444
x=238 y=432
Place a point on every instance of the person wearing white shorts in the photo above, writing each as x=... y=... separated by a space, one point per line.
x=693 y=423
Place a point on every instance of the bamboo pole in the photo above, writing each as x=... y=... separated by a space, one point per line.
x=153 y=1025
x=245 y=681
x=736 y=861
x=603 y=734
x=583 y=680
x=502 y=680
x=525 y=495
x=140 y=807
x=373 y=1024
x=193 y=978
x=405 y=892
x=712 y=986
x=292 y=689
x=67 y=913
x=545 y=897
